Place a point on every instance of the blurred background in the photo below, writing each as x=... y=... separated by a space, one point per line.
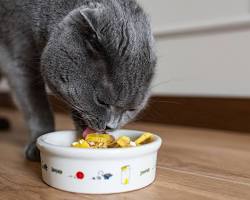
x=203 y=72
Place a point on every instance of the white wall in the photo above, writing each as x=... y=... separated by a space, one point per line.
x=165 y=13
x=203 y=46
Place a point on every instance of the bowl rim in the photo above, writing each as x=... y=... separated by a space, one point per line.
x=89 y=153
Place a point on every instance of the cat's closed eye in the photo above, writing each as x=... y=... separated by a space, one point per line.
x=102 y=103
x=93 y=44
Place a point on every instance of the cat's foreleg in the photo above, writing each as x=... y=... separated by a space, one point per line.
x=29 y=91
x=4 y=123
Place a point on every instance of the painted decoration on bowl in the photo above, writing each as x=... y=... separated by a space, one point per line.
x=125 y=174
x=102 y=176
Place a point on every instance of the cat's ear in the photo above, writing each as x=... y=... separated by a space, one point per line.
x=91 y=16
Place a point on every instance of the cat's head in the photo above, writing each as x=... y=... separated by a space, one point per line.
x=100 y=60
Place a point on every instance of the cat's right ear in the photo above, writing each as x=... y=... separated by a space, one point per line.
x=90 y=17
x=87 y=18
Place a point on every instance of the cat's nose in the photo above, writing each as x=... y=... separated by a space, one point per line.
x=112 y=125
x=108 y=128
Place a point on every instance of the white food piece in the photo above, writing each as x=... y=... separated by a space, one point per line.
x=132 y=144
x=91 y=143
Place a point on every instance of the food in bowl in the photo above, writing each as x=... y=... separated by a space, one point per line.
x=96 y=140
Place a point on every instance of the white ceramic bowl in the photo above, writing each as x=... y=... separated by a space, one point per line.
x=96 y=171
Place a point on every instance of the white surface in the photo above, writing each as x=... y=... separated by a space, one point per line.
x=196 y=27
x=214 y=64
x=165 y=13
x=203 y=47
x=137 y=164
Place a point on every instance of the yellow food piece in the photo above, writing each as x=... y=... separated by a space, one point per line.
x=81 y=144
x=96 y=140
x=114 y=145
x=143 y=138
x=101 y=145
x=123 y=141
x=99 y=138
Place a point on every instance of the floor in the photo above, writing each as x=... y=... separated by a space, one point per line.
x=193 y=164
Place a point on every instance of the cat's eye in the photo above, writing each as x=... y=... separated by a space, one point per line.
x=93 y=43
x=132 y=110
x=102 y=103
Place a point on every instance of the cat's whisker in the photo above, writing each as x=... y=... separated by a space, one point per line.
x=71 y=105
x=153 y=113
x=77 y=116
x=165 y=101
x=159 y=84
x=60 y=107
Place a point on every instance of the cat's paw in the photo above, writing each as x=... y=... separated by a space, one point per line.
x=32 y=153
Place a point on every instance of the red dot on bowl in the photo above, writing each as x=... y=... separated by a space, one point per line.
x=80 y=175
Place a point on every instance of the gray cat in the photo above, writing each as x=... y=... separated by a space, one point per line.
x=96 y=55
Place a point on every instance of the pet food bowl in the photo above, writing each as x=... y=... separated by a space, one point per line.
x=97 y=171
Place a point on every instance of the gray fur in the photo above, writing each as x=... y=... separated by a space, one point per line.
x=96 y=55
